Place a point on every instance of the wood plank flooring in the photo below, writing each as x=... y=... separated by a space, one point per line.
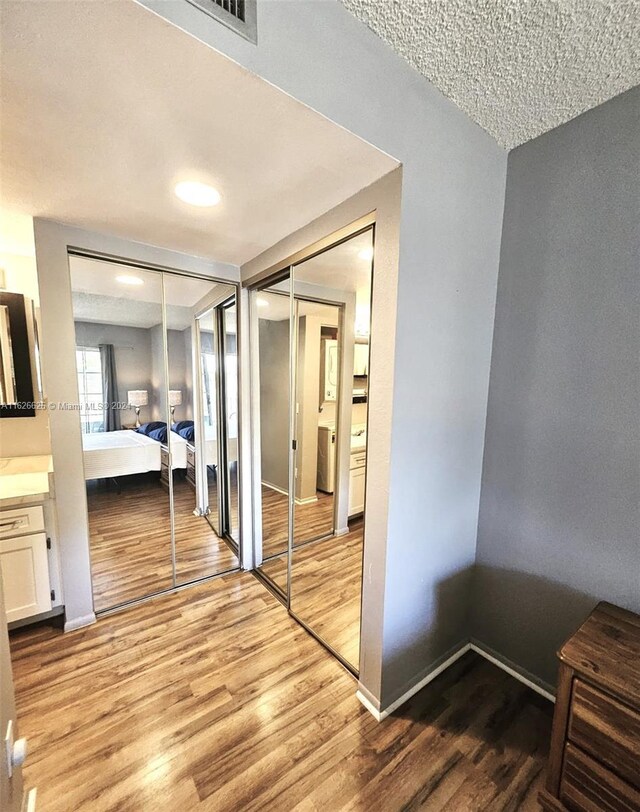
x=326 y=588
x=215 y=699
x=310 y=520
x=130 y=541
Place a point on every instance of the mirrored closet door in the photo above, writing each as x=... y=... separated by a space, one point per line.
x=325 y=449
x=271 y=317
x=153 y=411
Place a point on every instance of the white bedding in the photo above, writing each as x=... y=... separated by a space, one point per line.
x=122 y=453
x=119 y=453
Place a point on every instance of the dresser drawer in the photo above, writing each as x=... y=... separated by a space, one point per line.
x=191 y=455
x=587 y=786
x=607 y=730
x=20 y=521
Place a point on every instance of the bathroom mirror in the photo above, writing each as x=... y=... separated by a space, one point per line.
x=16 y=364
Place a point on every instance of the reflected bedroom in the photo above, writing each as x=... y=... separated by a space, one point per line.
x=159 y=418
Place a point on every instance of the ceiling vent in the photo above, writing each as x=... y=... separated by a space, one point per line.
x=239 y=15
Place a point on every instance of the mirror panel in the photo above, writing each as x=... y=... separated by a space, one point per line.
x=230 y=354
x=271 y=312
x=17 y=355
x=201 y=547
x=118 y=317
x=333 y=295
x=208 y=373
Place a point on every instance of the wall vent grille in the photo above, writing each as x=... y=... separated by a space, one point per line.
x=239 y=15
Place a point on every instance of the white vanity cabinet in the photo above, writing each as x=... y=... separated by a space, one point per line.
x=361 y=360
x=357 y=473
x=24 y=562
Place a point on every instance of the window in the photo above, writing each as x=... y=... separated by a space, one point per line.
x=90 y=389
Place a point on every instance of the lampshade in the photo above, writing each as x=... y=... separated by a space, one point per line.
x=175 y=397
x=138 y=397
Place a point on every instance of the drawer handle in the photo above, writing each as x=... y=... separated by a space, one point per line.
x=11 y=524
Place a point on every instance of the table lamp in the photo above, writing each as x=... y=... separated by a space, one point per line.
x=138 y=398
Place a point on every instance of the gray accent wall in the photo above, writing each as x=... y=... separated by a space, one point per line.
x=431 y=360
x=132 y=347
x=559 y=526
x=274 y=402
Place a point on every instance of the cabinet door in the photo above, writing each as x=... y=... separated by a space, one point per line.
x=25 y=576
x=361 y=359
x=356 y=491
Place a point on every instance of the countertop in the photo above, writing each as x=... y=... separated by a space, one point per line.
x=25 y=476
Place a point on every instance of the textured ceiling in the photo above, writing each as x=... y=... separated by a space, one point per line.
x=517 y=67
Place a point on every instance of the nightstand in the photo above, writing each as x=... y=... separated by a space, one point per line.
x=594 y=760
x=164 y=466
x=191 y=465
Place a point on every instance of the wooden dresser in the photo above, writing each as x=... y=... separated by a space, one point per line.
x=594 y=761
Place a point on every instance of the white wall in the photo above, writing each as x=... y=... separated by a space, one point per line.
x=52 y=241
x=452 y=203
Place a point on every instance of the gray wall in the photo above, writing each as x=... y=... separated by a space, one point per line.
x=274 y=402
x=452 y=204
x=132 y=347
x=559 y=524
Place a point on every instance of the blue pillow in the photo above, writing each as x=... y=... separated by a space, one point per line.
x=159 y=434
x=181 y=424
x=147 y=428
x=189 y=433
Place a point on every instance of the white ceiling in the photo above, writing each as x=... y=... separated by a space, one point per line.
x=99 y=298
x=517 y=67
x=106 y=106
x=101 y=278
x=340 y=268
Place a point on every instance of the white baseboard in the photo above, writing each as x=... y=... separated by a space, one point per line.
x=370 y=706
x=343 y=531
x=382 y=714
x=379 y=715
x=275 y=488
x=308 y=501
x=512 y=672
x=79 y=622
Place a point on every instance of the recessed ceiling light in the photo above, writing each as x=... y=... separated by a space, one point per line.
x=366 y=253
x=197 y=194
x=129 y=280
x=262 y=303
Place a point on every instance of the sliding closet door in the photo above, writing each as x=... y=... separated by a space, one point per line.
x=229 y=352
x=120 y=356
x=333 y=294
x=196 y=384
x=208 y=424
x=271 y=316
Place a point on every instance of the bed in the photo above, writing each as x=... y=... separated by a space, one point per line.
x=112 y=454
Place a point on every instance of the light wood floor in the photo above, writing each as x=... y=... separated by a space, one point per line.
x=310 y=520
x=130 y=540
x=215 y=699
x=326 y=588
